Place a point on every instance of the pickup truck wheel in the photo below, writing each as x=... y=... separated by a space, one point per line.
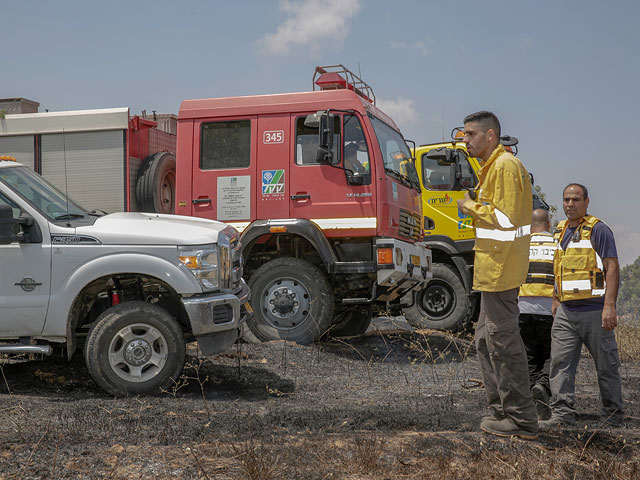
x=354 y=321
x=156 y=184
x=135 y=348
x=292 y=300
x=443 y=304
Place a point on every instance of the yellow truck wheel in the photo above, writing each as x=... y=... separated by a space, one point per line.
x=443 y=304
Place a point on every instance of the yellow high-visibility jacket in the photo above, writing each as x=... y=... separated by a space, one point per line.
x=540 y=278
x=502 y=220
x=578 y=269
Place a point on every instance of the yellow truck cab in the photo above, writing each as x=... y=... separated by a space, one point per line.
x=446 y=172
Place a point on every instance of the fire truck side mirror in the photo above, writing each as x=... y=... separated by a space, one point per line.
x=442 y=155
x=324 y=154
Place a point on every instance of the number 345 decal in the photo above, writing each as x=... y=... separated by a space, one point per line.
x=273 y=136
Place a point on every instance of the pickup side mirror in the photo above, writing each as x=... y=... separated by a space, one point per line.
x=6 y=225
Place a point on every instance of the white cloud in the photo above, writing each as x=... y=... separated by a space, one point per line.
x=420 y=47
x=402 y=110
x=311 y=23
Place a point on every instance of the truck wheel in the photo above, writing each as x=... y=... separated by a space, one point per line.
x=354 y=321
x=135 y=348
x=292 y=300
x=443 y=304
x=156 y=185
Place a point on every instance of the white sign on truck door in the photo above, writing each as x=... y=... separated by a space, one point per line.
x=234 y=198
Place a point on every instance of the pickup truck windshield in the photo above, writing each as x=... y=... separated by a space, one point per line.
x=395 y=154
x=40 y=194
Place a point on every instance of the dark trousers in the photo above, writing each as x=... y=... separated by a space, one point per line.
x=535 y=331
x=502 y=358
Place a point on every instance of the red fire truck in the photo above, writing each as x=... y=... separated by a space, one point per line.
x=322 y=186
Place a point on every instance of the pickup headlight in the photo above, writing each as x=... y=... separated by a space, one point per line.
x=203 y=262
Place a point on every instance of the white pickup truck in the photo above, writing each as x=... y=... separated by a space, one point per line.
x=131 y=288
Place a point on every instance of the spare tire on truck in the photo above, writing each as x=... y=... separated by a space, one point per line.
x=156 y=184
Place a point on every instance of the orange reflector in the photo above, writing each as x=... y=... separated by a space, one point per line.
x=385 y=256
x=277 y=229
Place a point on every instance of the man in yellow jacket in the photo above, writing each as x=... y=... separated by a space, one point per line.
x=501 y=211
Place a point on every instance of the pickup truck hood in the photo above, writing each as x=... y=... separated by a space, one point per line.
x=135 y=228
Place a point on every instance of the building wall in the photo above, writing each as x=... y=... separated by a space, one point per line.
x=12 y=106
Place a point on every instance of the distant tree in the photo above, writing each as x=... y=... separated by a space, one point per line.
x=629 y=295
x=553 y=210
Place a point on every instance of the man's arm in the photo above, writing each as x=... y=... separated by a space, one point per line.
x=504 y=205
x=612 y=279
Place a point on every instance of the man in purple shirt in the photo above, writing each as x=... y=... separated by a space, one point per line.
x=584 y=308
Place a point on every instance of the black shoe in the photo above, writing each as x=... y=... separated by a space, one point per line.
x=541 y=396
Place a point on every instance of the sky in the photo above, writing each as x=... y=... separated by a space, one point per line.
x=563 y=76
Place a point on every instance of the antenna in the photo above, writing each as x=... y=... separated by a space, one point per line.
x=443 y=125
x=66 y=187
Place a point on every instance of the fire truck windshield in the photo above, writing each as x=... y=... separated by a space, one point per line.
x=395 y=153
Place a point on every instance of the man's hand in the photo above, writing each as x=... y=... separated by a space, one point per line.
x=554 y=306
x=609 y=317
x=461 y=202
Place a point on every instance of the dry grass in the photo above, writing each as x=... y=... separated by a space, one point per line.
x=628 y=337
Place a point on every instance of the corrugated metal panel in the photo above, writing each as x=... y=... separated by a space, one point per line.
x=70 y=121
x=21 y=147
x=94 y=167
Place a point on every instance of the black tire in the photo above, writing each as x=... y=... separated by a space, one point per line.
x=443 y=304
x=292 y=300
x=156 y=184
x=131 y=339
x=353 y=321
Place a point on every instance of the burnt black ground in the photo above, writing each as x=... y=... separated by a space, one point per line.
x=388 y=403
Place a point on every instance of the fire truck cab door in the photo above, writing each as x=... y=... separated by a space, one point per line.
x=224 y=170
x=323 y=193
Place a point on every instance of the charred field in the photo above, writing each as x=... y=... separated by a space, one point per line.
x=393 y=403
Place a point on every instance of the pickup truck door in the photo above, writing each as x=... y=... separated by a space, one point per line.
x=25 y=283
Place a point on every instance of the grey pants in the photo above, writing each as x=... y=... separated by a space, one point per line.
x=502 y=358
x=570 y=330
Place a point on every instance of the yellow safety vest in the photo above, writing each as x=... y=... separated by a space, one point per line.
x=578 y=268
x=540 y=278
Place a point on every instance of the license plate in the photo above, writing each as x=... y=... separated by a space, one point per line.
x=415 y=260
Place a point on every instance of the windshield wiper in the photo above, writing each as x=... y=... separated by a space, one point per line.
x=97 y=213
x=403 y=178
x=68 y=216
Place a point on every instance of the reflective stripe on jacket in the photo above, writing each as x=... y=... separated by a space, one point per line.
x=502 y=219
x=540 y=278
x=578 y=268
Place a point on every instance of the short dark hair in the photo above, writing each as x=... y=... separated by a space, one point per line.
x=486 y=120
x=585 y=192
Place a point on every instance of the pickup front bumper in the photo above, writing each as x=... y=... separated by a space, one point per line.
x=216 y=318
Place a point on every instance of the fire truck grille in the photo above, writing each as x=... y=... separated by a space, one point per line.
x=409 y=225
